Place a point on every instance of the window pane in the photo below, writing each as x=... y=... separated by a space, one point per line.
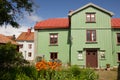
x=102 y=55
x=118 y=56
x=21 y=45
x=80 y=56
x=90 y=17
x=29 y=46
x=29 y=54
x=118 y=37
x=88 y=36
x=53 y=38
x=53 y=55
x=91 y=35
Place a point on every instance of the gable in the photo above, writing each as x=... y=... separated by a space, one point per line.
x=91 y=5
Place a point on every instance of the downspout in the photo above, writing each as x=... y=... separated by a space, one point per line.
x=70 y=42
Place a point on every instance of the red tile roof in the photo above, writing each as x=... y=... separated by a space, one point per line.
x=115 y=22
x=53 y=23
x=5 y=39
x=26 y=36
x=56 y=23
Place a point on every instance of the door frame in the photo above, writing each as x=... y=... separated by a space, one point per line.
x=96 y=57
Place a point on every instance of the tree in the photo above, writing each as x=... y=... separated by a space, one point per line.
x=11 y=10
x=10 y=57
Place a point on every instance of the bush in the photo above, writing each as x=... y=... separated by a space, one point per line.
x=22 y=76
x=75 y=70
x=30 y=71
x=14 y=73
x=88 y=74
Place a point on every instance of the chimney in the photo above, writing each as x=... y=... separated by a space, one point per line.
x=71 y=11
x=29 y=30
x=13 y=37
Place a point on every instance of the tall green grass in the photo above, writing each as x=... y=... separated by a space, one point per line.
x=30 y=73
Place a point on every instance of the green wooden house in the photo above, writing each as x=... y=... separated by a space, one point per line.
x=88 y=37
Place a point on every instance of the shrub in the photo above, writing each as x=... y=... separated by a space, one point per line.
x=22 y=76
x=29 y=71
x=50 y=71
x=88 y=74
x=75 y=70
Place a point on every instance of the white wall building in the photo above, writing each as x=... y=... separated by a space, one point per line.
x=26 y=44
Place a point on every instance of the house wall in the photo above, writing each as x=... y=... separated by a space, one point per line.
x=103 y=36
x=43 y=46
x=25 y=50
x=116 y=46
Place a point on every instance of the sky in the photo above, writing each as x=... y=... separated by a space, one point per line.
x=44 y=9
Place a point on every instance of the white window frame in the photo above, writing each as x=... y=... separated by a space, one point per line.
x=80 y=55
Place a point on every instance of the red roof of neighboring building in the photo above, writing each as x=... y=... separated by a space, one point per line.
x=115 y=22
x=26 y=36
x=53 y=23
x=5 y=39
x=56 y=23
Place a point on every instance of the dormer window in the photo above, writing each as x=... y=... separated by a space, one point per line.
x=90 y=17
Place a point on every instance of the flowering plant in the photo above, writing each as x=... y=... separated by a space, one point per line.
x=44 y=65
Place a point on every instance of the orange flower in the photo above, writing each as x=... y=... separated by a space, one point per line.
x=43 y=65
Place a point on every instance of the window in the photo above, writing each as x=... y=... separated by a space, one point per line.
x=118 y=38
x=53 y=39
x=118 y=56
x=90 y=17
x=91 y=35
x=21 y=46
x=102 y=54
x=29 y=54
x=29 y=46
x=80 y=55
x=53 y=55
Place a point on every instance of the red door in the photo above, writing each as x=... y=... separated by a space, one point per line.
x=91 y=58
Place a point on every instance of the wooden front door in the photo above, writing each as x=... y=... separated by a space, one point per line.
x=91 y=58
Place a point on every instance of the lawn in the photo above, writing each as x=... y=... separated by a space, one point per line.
x=107 y=75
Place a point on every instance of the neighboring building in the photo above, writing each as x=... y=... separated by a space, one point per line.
x=89 y=37
x=6 y=39
x=26 y=44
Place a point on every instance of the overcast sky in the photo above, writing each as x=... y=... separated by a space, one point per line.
x=57 y=8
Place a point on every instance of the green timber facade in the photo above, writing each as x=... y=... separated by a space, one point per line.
x=88 y=38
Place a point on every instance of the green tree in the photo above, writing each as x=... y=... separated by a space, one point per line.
x=11 y=10
x=10 y=57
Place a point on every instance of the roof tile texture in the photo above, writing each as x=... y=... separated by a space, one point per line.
x=56 y=23
x=5 y=39
x=53 y=23
x=115 y=22
x=26 y=36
